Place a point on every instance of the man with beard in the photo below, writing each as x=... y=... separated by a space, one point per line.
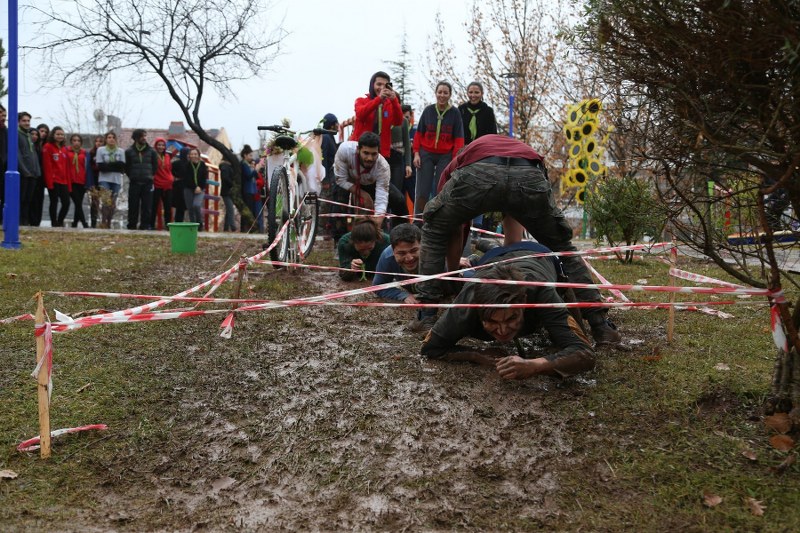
x=360 y=169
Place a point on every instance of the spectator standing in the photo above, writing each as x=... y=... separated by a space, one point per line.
x=141 y=165
x=478 y=118
x=110 y=168
x=249 y=187
x=178 y=171
x=162 y=184
x=400 y=157
x=226 y=177
x=37 y=199
x=77 y=163
x=28 y=166
x=439 y=137
x=328 y=148
x=194 y=178
x=91 y=180
x=56 y=180
x=378 y=111
x=409 y=185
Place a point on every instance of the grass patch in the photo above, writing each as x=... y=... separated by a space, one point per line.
x=326 y=418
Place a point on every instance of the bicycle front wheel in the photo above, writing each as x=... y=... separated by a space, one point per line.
x=278 y=212
x=307 y=221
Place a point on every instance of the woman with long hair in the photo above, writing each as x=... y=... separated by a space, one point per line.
x=195 y=176
x=91 y=180
x=37 y=199
x=439 y=137
x=76 y=170
x=478 y=118
x=110 y=167
x=360 y=250
x=56 y=179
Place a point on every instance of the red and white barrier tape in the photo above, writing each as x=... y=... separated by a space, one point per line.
x=699 y=278
x=46 y=361
x=33 y=444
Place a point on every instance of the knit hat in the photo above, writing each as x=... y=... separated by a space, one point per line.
x=329 y=121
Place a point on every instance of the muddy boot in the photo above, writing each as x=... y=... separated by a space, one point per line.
x=423 y=322
x=606 y=334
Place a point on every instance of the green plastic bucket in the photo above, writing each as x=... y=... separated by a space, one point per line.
x=183 y=237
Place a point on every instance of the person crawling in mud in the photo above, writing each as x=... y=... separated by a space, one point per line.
x=573 y=353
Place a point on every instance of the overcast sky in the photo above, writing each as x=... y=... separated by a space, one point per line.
x=332 y=49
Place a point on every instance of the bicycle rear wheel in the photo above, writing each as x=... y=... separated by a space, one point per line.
x=278 y=212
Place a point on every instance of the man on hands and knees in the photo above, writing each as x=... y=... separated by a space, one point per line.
x=506 y=325
x=398 y=261
x=498 y=173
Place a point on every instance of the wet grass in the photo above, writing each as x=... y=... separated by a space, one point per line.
x=327 y=419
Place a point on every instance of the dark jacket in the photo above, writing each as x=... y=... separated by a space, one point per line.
x=226 y=177
x=192 y=179
x=28 y=158
x=141 y=164
x=485 y=122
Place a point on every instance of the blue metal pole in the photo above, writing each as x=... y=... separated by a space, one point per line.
x=510 y=114
x=11 y=208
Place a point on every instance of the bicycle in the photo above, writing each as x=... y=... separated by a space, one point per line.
x=292 y=198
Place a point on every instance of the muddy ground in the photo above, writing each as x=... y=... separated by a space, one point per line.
x=326 y=418
x=333 y=421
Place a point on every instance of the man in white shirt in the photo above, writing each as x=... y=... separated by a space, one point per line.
x=360 y=168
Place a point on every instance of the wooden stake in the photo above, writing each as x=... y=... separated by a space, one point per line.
x=671 y=319
x=43 y=379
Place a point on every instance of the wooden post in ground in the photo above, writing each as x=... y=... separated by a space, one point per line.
x=43 y=379
x=671 y=320
x=240 y=278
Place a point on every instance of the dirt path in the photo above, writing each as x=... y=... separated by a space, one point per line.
x=332 y=421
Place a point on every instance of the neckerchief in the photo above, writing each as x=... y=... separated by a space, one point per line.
x=160 y=158
x=112 y=154
x=439 y=117
x=380 y=118
x=75 y=154
x=473 y=122
x=195 y=169
x=140 y=150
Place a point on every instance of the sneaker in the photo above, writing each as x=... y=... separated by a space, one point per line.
x=484 y=245
x=421 y=325
x=606 y=334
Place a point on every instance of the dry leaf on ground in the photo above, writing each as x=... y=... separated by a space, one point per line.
x=750 y=454
x=780 y=422
x=11 y=275
x=721 y=366
x=756 y=507
x=7 y=474
x=783 y=443
x=711 y=500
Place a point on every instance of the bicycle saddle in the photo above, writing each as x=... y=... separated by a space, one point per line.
x=284 y=142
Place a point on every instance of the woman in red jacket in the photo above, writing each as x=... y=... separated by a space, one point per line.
x=56 y=180
x=439 y=137
x=76 y=172
x=377 y=112
x=162 y=183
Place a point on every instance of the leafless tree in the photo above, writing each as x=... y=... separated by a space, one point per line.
x=187 y=47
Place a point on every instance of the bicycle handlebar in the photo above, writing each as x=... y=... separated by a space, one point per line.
x=277 y=129
x=286 y=131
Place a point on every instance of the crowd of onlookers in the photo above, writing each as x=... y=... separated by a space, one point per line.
x=165 y=187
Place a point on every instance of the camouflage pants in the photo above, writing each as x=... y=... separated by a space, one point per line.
x=522 y=192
